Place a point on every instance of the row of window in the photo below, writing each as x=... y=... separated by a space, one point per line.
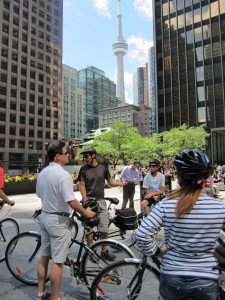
x=173 y=6
x=22 y=119
x=39 y=66
x=39 y=100
x=21 y=144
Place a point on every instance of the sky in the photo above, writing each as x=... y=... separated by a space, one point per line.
x=90 y=28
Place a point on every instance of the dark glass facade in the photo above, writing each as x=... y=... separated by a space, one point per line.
x=99 y=93
x=190 y=63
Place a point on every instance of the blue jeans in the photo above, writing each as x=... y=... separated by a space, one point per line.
x=180 y=287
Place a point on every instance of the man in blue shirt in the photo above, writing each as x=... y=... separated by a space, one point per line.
x=130 y=175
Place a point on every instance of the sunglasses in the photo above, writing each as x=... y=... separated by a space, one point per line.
x=153 y=166
x=86 y=156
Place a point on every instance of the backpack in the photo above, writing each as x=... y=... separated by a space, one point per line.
x=126 y=219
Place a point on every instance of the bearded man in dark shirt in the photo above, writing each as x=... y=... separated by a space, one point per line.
x=91 y=179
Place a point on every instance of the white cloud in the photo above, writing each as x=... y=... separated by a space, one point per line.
x=144 y=7
x=102 y=7
x=67 y=3
x=138 y=49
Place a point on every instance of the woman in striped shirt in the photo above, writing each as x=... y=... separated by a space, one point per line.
x=192 y=222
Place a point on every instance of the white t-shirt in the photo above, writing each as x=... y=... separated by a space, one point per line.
x=55 y=188
x=154 y=183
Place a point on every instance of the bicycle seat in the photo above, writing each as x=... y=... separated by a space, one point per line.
x=112 y=200
x=92 y=222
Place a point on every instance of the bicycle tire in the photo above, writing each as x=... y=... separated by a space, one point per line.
x=9 y=228
x=93 y=263
x=112 y=282
x=22 y=256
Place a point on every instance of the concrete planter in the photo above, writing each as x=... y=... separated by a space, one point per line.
x=21 y=187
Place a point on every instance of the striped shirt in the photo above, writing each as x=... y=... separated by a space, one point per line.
x=190 y=239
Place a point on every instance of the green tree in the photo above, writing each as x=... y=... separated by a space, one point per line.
x=177 y=139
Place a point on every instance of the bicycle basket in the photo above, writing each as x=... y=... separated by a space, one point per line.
x=126 y=219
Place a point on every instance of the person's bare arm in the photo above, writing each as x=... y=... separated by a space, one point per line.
x=113 y=182
x=83 y=190
x=150 y=194
x=75 y=205
x=5 y=198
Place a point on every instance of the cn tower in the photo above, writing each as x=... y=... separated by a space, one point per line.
x=119 y=48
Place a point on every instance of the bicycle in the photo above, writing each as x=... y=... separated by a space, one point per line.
x=117 y=232
x=127 y=279
x=136 y=278
x=23 y=253
x=8 y=229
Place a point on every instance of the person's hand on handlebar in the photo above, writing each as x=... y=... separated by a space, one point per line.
x=89 y=214
x=11 y=203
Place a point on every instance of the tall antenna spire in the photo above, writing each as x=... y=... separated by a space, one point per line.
x=120 y=49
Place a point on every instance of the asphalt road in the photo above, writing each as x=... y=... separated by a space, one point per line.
x=10 y=288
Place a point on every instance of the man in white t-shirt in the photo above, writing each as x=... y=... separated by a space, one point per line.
x=55 y=188
x=154 y=185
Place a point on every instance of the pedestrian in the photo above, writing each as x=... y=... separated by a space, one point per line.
x=192 y=223
x=2 y=194
x=131 y=175
x=55 y=188
x=154 y=185
x=91 y=179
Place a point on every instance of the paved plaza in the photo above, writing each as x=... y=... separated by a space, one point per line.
x=10 y=288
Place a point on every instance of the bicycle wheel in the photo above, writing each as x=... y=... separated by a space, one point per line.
x=114 y=282
x=8 y=229
x=22 y=256
x=94 y=261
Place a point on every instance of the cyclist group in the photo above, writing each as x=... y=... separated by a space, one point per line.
x=192 y=221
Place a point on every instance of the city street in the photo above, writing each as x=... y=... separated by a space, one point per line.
x=10 y=288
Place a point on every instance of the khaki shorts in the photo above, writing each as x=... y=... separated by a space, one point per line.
x=55 y=236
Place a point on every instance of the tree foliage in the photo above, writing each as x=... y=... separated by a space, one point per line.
x=122 y=144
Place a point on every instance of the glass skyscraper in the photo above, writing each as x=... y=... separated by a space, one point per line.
x=190 y=65
x=99 y=93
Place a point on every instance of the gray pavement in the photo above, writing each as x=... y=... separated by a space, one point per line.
x=10 y=288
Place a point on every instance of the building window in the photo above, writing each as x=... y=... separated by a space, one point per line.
x=12 y=144
x=22 y=132
x=21 y=144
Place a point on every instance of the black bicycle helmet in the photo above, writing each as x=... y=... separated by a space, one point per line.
x=193 y=165
x=154 y=162
x=92 y=204
x=89 y=150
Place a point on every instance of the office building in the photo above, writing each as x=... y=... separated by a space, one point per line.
x=141 y=86
x=190 y=66
x=133 y=116
x=30 y=80
x=99 y=93
x=72 y=104
x=152 y=89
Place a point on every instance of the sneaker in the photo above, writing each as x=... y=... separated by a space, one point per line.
x=108 y=255
x=46 y=296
